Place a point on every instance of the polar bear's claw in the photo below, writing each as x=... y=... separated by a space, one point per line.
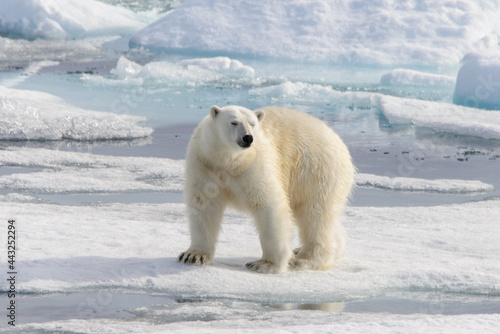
x=193 y=258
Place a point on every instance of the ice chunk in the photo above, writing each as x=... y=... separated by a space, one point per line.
x=380 y=32
x=220 y=64
x=126 y=68
x=402 y=76
x=64 y=19
x=188 y=72
x=439 y=116
x=478 y=81
x=443 y=186
x=31 y=115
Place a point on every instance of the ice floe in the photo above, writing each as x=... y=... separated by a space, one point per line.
x=33 y=115
x=442 y=117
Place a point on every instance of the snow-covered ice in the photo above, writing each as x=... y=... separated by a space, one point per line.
x=134 y=247
x=350 y=31
x=73 y=172
x=32 y=115
x=65 y=19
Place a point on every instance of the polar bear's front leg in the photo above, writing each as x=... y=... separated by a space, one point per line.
x=275 y=234
x=204 y=226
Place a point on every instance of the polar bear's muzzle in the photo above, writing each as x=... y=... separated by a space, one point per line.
x=245 y=141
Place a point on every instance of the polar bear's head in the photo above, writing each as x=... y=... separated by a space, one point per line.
x=236 y=126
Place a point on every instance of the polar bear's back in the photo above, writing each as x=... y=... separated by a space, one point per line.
x=300 y=132
x=313 y=159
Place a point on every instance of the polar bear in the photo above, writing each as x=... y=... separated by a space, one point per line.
x=282 y=167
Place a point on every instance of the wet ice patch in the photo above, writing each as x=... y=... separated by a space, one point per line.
x=442 y=186
x=31 y=115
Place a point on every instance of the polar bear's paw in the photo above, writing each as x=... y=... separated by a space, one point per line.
x=300 y=264
x=263 y=267
x=194 y=257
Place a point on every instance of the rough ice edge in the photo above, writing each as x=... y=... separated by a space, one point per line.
x=408 y=184
x=32 y=115
x=402 y=76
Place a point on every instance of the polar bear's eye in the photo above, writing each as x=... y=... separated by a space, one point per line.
x=252 y=124
x=234 y=123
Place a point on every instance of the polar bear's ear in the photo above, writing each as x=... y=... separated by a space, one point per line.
x=214 y=111
x=260 y=114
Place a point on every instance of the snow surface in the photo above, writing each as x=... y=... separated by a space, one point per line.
x=32 y=115
x=437 y=32
x=401 y=76
x=478 y=81
x=66 y=19
x=133 y=247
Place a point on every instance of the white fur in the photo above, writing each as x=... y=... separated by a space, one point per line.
x=296 y=170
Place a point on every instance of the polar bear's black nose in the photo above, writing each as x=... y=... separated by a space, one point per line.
x=247 y=140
